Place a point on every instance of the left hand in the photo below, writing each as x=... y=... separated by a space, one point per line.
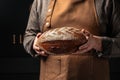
x=94 y=42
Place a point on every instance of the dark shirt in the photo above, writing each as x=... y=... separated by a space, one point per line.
x=108 y=16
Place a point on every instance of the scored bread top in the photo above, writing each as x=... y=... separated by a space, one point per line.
x=63 y=33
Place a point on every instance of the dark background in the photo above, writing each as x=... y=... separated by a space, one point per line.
x=15 y=63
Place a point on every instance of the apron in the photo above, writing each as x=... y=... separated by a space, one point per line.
x=79 y=14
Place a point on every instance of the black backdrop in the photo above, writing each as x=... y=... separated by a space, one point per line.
x=15 y=63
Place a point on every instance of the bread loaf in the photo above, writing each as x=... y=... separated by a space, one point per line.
x=61 y=40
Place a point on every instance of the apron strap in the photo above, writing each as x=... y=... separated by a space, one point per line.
x=47 y=22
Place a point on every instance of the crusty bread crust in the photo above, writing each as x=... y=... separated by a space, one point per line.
x=61 y=40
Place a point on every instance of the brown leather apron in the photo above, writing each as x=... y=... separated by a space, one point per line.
x=80 y=14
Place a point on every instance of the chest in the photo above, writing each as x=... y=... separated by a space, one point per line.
x=72 y=13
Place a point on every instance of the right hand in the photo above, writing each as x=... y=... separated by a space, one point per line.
x=37 y=49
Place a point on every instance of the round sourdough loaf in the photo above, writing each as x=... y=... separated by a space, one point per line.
x=61 y=40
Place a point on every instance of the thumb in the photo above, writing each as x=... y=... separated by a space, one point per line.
x=38 y=35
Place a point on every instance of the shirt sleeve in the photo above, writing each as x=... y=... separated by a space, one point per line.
x=31 y=30
x=111 y=43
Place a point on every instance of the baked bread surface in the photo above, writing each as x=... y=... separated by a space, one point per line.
x=61 y=40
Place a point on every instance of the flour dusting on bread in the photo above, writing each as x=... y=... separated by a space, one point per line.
x=64 y=33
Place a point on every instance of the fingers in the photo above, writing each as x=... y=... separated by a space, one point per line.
x=41 y=53
x=94 y=42
x=86 y=33
x=87 y=46
x=38 y=35
x=36 y=48
x=84 y=49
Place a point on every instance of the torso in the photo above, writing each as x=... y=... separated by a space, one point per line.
x=80 y=14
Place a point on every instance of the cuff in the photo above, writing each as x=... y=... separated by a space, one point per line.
x=106 y=46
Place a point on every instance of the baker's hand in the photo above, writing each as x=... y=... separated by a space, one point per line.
x=36 y=48
x=94 y=42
